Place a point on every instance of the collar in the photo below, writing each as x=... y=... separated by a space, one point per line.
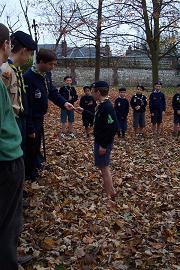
x=35 y=70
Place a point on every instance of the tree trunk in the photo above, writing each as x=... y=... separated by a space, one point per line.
x=155 y=68
x=98 y=42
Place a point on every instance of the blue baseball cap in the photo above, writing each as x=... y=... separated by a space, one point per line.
x=100 y=84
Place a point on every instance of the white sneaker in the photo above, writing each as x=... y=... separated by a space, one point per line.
x=72 y=135
x=63 y=135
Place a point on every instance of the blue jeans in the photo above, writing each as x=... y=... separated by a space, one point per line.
x=65 y=114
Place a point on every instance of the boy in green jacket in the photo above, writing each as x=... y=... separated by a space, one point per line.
x=11 y=170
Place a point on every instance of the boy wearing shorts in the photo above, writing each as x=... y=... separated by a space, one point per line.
x=105 y=128
x=157 y=106
x=69 y=93
x=88 y=103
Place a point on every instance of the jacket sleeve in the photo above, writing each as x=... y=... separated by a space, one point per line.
x=75 y=96
x=29 y=119
x=151 y=107
x=132 y=103
x=56 y=97
x=144 y=103
x=81 y=104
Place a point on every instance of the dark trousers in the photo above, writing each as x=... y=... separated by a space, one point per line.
x=11 y=190
x=33 y=158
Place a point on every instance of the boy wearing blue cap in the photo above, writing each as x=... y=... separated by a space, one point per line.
x=105 y=128
x=121 y=107
x=176 y=108
x=157 y=106
x=88 y=103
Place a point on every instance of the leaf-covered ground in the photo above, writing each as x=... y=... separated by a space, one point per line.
x=70 y=224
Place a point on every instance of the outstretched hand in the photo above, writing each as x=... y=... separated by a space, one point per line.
x=79 y=110
x=69 y=106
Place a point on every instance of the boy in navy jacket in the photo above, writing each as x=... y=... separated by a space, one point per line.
x=138 y=103
x=69 y=93
x=105 y=128
x=157 y=106
x=88 y=103
x=39 y=89
x=176 y=108
x=121 y=106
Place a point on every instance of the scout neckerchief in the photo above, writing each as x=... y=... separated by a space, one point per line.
x=42 y=74
x=69 y=91
x=20 y=82
x=140 y=98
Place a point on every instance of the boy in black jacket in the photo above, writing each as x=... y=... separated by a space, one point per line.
x=176 y=108
x=138 y=103
x=121 y=107
x=157 y=106
x=88 y=103
x=105 y=128
x=70 y=94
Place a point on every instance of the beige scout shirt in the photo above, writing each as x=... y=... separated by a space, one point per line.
x=10 y=80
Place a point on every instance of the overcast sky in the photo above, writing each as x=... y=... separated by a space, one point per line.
x=13 y=10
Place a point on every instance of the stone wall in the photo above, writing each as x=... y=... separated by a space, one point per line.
x=115 y=76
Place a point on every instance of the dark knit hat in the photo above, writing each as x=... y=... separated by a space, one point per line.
x=25 y=39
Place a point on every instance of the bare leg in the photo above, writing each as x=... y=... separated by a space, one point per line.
x=87 y=130
x=70 y=127
x=175 y=129
x=154 y=129
x=159 y=129
x=136 y=131
x=107 y=179
x=63 y=129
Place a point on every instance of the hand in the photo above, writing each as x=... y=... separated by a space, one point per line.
x=163 y=113
x=152 y=114
x=102 y=151
x=33 y=135
x=7 y=75
x=79 y=110
x=178 y=112
x=137 y=108
x=69 y=106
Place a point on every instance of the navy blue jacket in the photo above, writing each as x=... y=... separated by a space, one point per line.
x=121 y=106
x=139 y=100
x=69 y=93
x=39 y=89
x=88 y=104
x=105 y=123
x=176 y=102
x=157 y=102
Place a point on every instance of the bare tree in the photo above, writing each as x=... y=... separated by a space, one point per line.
x=154 y=19
x=2 y=8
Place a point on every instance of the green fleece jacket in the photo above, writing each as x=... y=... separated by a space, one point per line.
x=10 y=137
